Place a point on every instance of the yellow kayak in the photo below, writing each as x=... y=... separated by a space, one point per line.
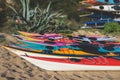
x=79 y=52
x=28 y=34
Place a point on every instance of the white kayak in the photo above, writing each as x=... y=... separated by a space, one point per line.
x=108 y=8
x=68 y=64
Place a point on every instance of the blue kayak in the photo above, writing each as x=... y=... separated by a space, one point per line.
x=99 y=49
x=38 y=46
x=109 y=1
x=111 y=49
x=96 y=15
x=100 y=22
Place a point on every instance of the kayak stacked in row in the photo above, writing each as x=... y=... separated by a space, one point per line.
x=74 y=43
x=105 y=12
x=91 y=2
x=57 y=52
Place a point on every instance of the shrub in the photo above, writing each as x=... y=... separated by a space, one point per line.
x=3 y=11
x=34 y=19
x=111 y=27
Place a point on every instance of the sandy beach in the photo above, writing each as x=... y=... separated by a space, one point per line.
x=13 y=67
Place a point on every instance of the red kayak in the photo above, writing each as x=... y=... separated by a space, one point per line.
x=93 y=2
x=95 y=63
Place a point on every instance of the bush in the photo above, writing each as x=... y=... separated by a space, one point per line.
x=3 y=18
x=111 y=27
x=34 y=19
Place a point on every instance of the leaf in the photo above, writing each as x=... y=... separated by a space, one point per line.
x=16 y=12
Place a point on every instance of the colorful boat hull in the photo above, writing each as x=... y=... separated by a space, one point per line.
x=47 y=45
x=55 y=63
x=109 y=1
x=93 y=2
x=107 y=8
x=28 y=34
x=53 y=54
x=39 y=35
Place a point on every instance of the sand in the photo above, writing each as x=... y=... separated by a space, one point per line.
x=13 y=67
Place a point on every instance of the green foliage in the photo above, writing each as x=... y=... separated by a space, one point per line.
x=61 y=24
x=3 y=10
x=34 y=19
x=26 y=9
x=23 y=14
x=111 y=27
x=69 y=7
